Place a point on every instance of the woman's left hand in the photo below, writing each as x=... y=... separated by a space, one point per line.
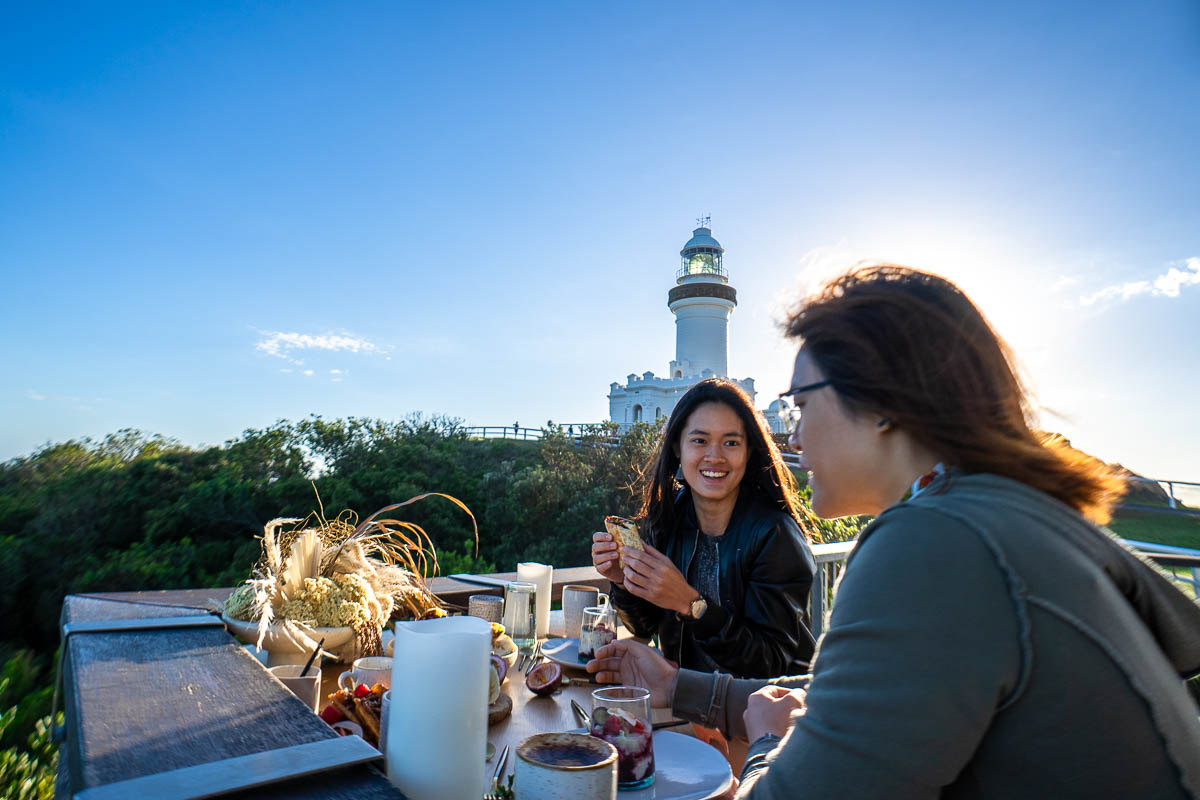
x=769 y=710
x=654 y=577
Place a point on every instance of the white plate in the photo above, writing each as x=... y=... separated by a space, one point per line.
x=565 y=652
x=685 y=768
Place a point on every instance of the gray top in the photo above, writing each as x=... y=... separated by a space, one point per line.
x=986 y=642
x=704 y=574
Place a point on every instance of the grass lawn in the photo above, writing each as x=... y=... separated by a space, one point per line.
x=1178 y=530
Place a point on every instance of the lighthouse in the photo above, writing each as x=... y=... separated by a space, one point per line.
x=702 y=301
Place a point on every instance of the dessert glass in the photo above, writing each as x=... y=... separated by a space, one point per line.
x=599 y=627
x=621 y=717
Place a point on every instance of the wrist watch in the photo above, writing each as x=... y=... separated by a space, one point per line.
x=696 y=609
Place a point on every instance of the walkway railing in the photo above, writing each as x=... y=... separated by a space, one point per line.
x=1191 y=493
x=831 y=560
x=502 y=432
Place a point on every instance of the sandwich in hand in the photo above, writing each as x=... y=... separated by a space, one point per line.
x=624 y=533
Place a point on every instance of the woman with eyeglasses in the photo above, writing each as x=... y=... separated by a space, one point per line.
x=988 y=639
x=725 y=576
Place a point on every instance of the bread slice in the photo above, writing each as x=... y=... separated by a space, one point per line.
x=625 y=532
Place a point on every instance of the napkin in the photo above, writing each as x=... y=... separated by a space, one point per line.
x=437 y=720
x=541 y=576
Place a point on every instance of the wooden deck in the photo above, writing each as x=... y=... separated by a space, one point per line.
x=152 y=702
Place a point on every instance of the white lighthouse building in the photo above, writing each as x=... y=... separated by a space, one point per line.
x=701 y=301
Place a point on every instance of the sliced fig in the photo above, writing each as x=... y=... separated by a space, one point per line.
x=500 y=665
x=544 y=678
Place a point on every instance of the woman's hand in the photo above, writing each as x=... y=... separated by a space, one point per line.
x=635 y=664
x=654 y=577
x=604 y=557
x=769 y=710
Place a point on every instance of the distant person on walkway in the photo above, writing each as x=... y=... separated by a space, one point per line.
x=725 y=577
x=988 y=640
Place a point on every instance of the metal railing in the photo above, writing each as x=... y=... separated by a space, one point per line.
x=831 y=560
x=1181 y=564
x=1173 y=502
x=502 y=432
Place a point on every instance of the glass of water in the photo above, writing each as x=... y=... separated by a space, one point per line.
x=520 y=614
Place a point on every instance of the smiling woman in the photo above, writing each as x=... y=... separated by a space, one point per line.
x=725 y=578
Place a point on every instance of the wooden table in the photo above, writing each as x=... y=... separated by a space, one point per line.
x=533 y=714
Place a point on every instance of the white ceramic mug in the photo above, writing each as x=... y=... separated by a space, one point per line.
x=307 y=688
x=575 y=598
x=566 y=766
x=367 y=671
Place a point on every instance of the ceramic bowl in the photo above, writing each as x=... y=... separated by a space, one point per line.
x=510 y=655
x=564 y=766
x=281 y=649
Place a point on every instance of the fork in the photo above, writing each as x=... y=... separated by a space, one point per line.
x=501 y=762
x=535 y=658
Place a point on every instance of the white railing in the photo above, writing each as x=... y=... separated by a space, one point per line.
x=831 y=560
x=1191 y=491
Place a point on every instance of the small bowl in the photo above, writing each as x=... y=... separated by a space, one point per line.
x=509 y=656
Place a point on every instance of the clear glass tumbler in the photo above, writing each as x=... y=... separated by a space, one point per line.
x=520 y=609
x=621 y=717
x=599 y=627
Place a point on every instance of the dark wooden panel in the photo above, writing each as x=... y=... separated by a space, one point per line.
x=149 y=701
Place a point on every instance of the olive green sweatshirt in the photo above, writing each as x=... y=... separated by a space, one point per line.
x=986 y=642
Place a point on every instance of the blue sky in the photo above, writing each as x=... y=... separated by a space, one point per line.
x=217 y=215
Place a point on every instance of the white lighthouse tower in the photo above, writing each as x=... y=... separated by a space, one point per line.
x=701 y=301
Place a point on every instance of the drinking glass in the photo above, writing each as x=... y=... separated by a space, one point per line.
x=621 y=717
x=599 y=627
x=520 y=614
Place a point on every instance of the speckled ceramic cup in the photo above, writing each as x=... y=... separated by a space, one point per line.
x=566 y=766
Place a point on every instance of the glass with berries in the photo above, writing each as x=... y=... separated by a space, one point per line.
x=621 y=717
x=599 y=627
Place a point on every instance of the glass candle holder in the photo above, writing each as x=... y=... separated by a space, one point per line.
x=520 y=614
x=621 y=717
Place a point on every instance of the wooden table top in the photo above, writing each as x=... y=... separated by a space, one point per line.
x=533 y=714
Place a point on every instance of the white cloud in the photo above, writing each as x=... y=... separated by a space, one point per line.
x=308 y=372
x=1169 y=284
x=335 y=372
x=281 y=344
x=35 y=396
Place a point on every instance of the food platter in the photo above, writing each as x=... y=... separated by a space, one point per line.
x=563 y=651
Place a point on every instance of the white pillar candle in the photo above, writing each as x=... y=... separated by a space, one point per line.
x=541 y=576
x=437 y=722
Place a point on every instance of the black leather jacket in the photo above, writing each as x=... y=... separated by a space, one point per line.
x=766 y=570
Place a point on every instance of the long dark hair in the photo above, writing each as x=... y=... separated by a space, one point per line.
x=911 y=347
x=766 y=475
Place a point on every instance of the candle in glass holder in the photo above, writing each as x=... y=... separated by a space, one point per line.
x=541 y=576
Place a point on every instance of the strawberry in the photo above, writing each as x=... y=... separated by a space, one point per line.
x=332 y=715
x=361 y=690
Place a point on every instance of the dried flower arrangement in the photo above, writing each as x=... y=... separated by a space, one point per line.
x=340 y=572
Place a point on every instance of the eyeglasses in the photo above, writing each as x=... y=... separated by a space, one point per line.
x=789 y=411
